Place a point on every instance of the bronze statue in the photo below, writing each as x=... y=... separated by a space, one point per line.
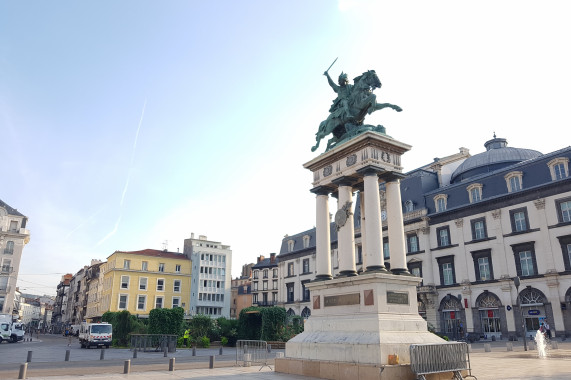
x=349 y=109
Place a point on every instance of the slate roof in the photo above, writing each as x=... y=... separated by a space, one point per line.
x=156 y=253
x=266 y=263
x=11 y=210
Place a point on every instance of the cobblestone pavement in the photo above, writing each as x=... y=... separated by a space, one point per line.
x=499 y=364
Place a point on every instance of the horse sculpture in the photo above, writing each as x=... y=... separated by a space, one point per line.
x=361 y=102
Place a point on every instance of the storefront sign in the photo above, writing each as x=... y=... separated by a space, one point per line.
x=533 y=312
x=342 y=299
x=397 y=297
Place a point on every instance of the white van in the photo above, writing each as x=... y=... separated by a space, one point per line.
x=95 y=334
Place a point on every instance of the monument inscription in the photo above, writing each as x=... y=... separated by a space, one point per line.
x=342 y=300
x=399 y=298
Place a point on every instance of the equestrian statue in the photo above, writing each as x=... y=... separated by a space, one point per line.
x=348 y=111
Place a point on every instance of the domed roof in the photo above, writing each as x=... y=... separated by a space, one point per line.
x=497 y=155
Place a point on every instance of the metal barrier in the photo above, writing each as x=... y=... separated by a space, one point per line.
x=437 y=358
x=153 y=342
x=250 y=352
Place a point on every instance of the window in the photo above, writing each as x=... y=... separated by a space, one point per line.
x=265 y=273
x=358 y=255
x=386 y=250
x=519 y=220
x=408 y=206
x=175 y=302
x=290 y=271
x=525 y=262
x=306 y=265
x=160 y=284
x=177 y=268
x=306 y=241
x=265 y=285
x=254 y=298
x=440 y=202
x=478 y=229
x=274 y=284
x=483 y=265
x=161 y=267
x=559 y=168
x=123 y=298
x=443 y=236
x=290 y=292
x=564 y=210
x=9 y=250
x=290 y=244
x=126 y=264
x=412 y=243
x=176 y=286
x=142 y=283
x=275 y=275
x=514 y=181
x=256 y=286
x=415 y=268
x=13 y=226
x=475 y=192
x=124 y=282
x=141 y=302
x=256 y=274
x=305 y=290
x=565 y=242
x=158 y=302
x=145 y=265
x=446 y=266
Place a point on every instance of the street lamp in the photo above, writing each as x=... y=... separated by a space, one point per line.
x=516 y=283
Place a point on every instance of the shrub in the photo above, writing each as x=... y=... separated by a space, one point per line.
x=204 y=342
x=224 y=341
x=166 y=321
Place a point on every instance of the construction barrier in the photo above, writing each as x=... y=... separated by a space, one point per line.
x=153 y=342
x=250 y=352
x=437 y=358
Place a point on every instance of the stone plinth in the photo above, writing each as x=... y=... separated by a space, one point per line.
x=363 y=320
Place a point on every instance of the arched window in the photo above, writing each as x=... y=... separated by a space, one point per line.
x=305 y=313
x=408 y=206
x=290 y=313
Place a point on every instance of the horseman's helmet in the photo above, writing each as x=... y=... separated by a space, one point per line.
x=343 y=78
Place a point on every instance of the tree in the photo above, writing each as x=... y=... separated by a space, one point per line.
x=166 y=321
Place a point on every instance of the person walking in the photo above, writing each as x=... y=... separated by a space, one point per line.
x=186 y=336
x=547 y=329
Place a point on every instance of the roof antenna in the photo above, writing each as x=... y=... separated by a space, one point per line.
x=494 y=134
x=165 y=245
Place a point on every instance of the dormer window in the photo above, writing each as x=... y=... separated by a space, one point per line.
x=559 y=168
x=408 y=206
x=290 y=244
x=306 y=241
x=440 y=202
x=514 y=181
x=475 y=192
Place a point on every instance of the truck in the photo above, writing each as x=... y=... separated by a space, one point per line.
x=95 y=334
x=10 y=331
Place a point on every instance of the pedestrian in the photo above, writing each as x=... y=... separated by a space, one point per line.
x=547 y=329
x=186 y=336
x=69 y=335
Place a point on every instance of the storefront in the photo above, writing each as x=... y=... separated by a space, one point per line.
x=489 y=315
x=453 y=319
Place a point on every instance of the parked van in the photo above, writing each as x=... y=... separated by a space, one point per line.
x=95 y=334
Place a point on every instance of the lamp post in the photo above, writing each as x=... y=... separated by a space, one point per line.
x=516 y=283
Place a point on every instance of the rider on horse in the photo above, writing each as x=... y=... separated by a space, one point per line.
x=340 y=106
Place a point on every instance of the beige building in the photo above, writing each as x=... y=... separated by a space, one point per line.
x=13 y=237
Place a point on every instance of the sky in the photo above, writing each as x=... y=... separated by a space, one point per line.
x=128 y=124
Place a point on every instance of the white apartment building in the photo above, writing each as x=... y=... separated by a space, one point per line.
x=210 y=292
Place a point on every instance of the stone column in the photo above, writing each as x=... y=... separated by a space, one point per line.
x=345 y=228
x=396 y=227
x=322 y=235
x=364 y=249
x=373 y=227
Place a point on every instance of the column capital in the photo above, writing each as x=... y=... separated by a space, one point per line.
x=322 y=190
x=371 y=170
x=391 y=176
x=344 y=181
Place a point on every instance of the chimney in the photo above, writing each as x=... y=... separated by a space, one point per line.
x=261 y=258
x=192 y=235
x=272 y=258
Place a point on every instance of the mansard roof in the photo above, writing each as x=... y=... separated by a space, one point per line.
x=11 y=210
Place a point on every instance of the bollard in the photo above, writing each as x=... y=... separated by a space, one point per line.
x=247 y=360
x=487 y=347
x=127 y=367
x=102 y=354
x=29 y=359
x=554 y=345
x=269 y=348
x=23 y=370
x=135 y=354
x=279 y=355
x=509 y=346
x=211 y=365
x=193 y=351
x=67 y=353
x=469 y=348
x=531 y=346
x=171 y=364
x=220 y=351
x=166 y=352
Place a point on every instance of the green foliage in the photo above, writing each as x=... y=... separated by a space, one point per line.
x=166 y=321
x=224 y=341
x=263 y=323
x=445 y=338
x=180 y=342
x=204 y=342
x=124 y=324
x=200 y=325
x=228 y=330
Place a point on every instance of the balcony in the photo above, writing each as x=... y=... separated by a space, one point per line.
x=267 y=303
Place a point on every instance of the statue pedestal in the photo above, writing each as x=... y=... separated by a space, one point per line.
x=362 y=319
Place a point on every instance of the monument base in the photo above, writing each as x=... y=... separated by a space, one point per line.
x=362 y=320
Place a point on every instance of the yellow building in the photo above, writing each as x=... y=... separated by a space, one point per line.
x=140 y=281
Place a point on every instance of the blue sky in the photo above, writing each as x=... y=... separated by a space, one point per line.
x=126 y=124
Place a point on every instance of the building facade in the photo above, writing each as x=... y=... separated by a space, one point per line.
x=140 y=281
x=265 y=281
x=211 y=276
x=472 y=225
x=13 y=237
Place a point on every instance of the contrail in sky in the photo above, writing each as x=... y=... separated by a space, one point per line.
x=127 y=180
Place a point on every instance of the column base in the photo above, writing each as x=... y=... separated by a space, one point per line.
x=401 y=272
x=322 y=277
x=347 y=273
x=376 y=269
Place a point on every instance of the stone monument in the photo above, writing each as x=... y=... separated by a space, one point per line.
x=359 y=322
